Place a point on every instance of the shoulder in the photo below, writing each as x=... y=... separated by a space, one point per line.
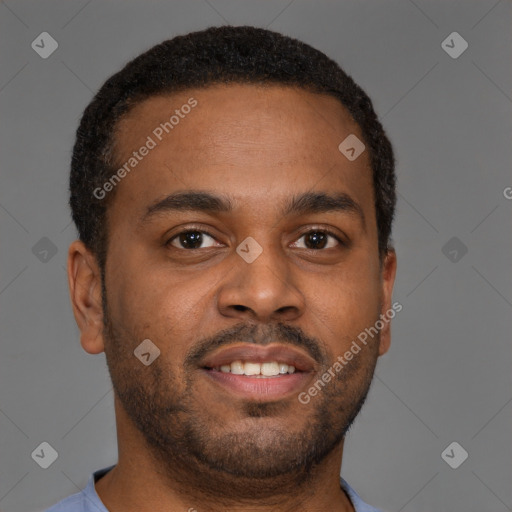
x=86 y=500
x=74 y=503
x=357 y=502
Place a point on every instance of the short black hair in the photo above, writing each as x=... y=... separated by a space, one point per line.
x=217 y=55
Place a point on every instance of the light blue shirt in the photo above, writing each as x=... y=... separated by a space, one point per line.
x=89 y=501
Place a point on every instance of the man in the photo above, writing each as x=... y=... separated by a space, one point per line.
x=234 y=194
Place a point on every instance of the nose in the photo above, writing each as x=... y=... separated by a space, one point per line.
x=263 y=290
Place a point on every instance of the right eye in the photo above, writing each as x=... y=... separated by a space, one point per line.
x=191 y=239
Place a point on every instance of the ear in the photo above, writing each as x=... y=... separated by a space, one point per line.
x=84 y=280
x=388 y=273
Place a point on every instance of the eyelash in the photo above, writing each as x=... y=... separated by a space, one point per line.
x=206 y=232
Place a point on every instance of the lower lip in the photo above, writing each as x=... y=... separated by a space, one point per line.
x=258 y=388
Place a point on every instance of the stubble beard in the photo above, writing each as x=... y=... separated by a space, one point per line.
x=193 y=451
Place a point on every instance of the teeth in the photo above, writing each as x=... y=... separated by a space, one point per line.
x=267 y=369
x=270 y=369
x=237 y=367
x=252 y=368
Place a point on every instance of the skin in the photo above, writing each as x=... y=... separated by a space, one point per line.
x=259 y=146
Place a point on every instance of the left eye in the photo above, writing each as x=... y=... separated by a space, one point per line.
x=317 y=239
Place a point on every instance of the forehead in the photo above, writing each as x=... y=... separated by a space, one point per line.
x=255 y=109
x=250 y=141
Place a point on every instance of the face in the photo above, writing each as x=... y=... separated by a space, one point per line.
x=243 y=241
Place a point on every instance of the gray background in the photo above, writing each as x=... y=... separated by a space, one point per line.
x=448 y=374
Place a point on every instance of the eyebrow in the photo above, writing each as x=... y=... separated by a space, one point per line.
x=301 y=204
x=320 y=202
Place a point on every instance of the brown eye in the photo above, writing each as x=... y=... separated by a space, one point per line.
x=318 y=239
x=191 y=240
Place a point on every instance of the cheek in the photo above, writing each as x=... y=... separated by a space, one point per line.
x=346 y=301
x=155 y=302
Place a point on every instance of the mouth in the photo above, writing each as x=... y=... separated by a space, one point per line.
x=255 y=369
x=259 y=373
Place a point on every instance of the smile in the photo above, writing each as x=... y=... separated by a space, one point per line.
x=250 y=368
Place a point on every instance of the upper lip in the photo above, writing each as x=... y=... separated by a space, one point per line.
x=259 y=354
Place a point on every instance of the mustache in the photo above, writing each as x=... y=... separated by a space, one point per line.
x=258 y=335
